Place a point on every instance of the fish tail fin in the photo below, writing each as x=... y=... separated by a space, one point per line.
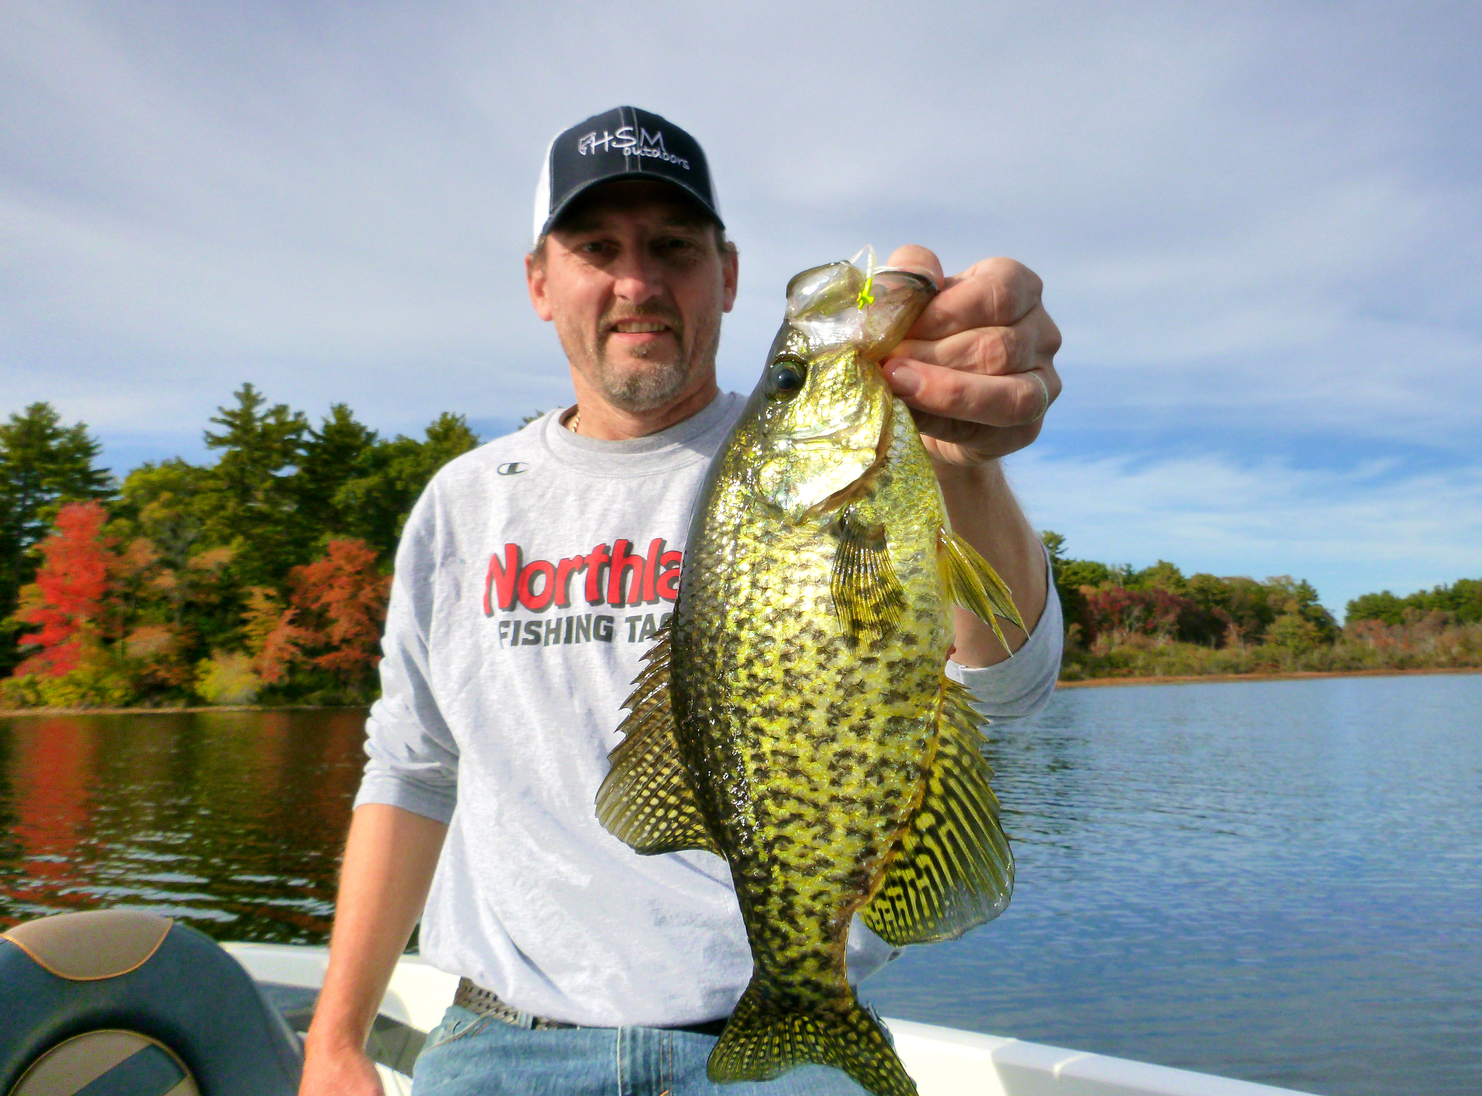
x=764 y=1038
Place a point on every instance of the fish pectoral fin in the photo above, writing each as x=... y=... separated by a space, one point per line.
x=953 y=869
x=646 y=800
x=868 y=598
x=974 y=584
x=765 y=1037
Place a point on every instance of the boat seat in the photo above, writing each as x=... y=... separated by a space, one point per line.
x=120 y=1001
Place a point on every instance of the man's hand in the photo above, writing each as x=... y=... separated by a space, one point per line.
x=344 y=1071
x=389 y=860
x=978 y=365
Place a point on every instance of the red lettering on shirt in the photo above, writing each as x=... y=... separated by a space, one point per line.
x=563 y=578
x=668 y=584
x=622 y=563
x=596 y=559
x=504 y=577
x=528 y=597
x=615 y=576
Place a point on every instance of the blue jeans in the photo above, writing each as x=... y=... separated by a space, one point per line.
x=472 y=1055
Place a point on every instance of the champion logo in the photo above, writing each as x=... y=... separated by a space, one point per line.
x=513 y=468
x=624 y=141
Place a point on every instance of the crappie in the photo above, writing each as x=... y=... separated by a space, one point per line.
x=795 y=718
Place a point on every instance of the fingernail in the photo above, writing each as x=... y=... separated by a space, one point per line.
x=905 y=381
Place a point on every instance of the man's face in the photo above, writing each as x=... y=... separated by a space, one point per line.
x=635 y=283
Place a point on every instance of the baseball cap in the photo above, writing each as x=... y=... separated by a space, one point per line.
x=622 y=143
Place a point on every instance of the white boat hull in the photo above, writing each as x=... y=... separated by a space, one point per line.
x=943 y=1061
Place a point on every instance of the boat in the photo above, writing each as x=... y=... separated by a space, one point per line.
x=134 y=1003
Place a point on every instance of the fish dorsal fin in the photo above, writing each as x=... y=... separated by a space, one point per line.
x=974 y=584
x=868 y=598
x=646 y=800
x=953 y=868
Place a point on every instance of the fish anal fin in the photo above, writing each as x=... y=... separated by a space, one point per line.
x=953 y=869
x=765 y=1037
x=868 y=598
x=974 y=584
x=646 y=800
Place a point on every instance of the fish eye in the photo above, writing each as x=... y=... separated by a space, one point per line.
x=786 y=376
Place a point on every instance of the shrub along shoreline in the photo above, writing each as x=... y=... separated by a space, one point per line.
x=1078 y=683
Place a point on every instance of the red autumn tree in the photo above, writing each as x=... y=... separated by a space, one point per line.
x=342 y=603
x=67 y=598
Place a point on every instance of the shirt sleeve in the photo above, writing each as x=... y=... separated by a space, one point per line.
x=413 y=758
x=1020 y=686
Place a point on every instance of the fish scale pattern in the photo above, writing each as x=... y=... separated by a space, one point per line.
x=808 y=745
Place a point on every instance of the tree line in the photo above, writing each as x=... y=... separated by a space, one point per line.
x=262 y=576
x=1156 y=621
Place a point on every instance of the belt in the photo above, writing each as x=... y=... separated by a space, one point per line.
x=485 y=1002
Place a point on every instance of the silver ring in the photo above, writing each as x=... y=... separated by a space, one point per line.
x=1044 y=391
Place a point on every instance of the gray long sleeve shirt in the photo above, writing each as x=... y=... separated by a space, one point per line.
x=531 y=578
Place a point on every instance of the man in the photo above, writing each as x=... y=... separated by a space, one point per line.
x=530 y=580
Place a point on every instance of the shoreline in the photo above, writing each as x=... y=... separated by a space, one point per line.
x=1084 y=683
x=6 y=713
x=1290 y=675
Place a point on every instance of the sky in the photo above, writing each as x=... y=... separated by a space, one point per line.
x=1259 y=227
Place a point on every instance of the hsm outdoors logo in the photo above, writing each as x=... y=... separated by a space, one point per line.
x=645 y=144
x=614 y=577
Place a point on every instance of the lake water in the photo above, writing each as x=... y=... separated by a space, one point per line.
x=1280 y=881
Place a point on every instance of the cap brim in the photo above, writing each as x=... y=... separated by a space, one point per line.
x=623 y=176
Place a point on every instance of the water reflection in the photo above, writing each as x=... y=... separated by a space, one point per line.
x=232 y=821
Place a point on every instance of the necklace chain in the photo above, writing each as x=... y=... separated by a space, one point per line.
x=575 y=421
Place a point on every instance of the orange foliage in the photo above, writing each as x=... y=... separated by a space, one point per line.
x=344 y=597
x=158 y=649
x=67 y=596
x=273 y=636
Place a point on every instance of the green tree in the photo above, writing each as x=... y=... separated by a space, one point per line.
x=1071 y=575
x=1299 y=597
x=1160 y=576
x=374 y=505
x=1462 y=599
x=252 y=503
x=43 y=464
x=1383 y=606
x=332 y=456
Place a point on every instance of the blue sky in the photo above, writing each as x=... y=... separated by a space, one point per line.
x=1259 y=227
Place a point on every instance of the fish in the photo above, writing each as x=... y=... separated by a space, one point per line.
x=795 y=717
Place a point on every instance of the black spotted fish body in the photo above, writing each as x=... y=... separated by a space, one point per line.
x=795 y=719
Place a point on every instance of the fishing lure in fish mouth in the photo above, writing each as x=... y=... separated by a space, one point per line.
x=795 y=717
x=867 y=308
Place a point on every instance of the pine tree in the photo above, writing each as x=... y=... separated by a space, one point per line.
x=392 y=476
x=250 y=494
x=332 y=455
